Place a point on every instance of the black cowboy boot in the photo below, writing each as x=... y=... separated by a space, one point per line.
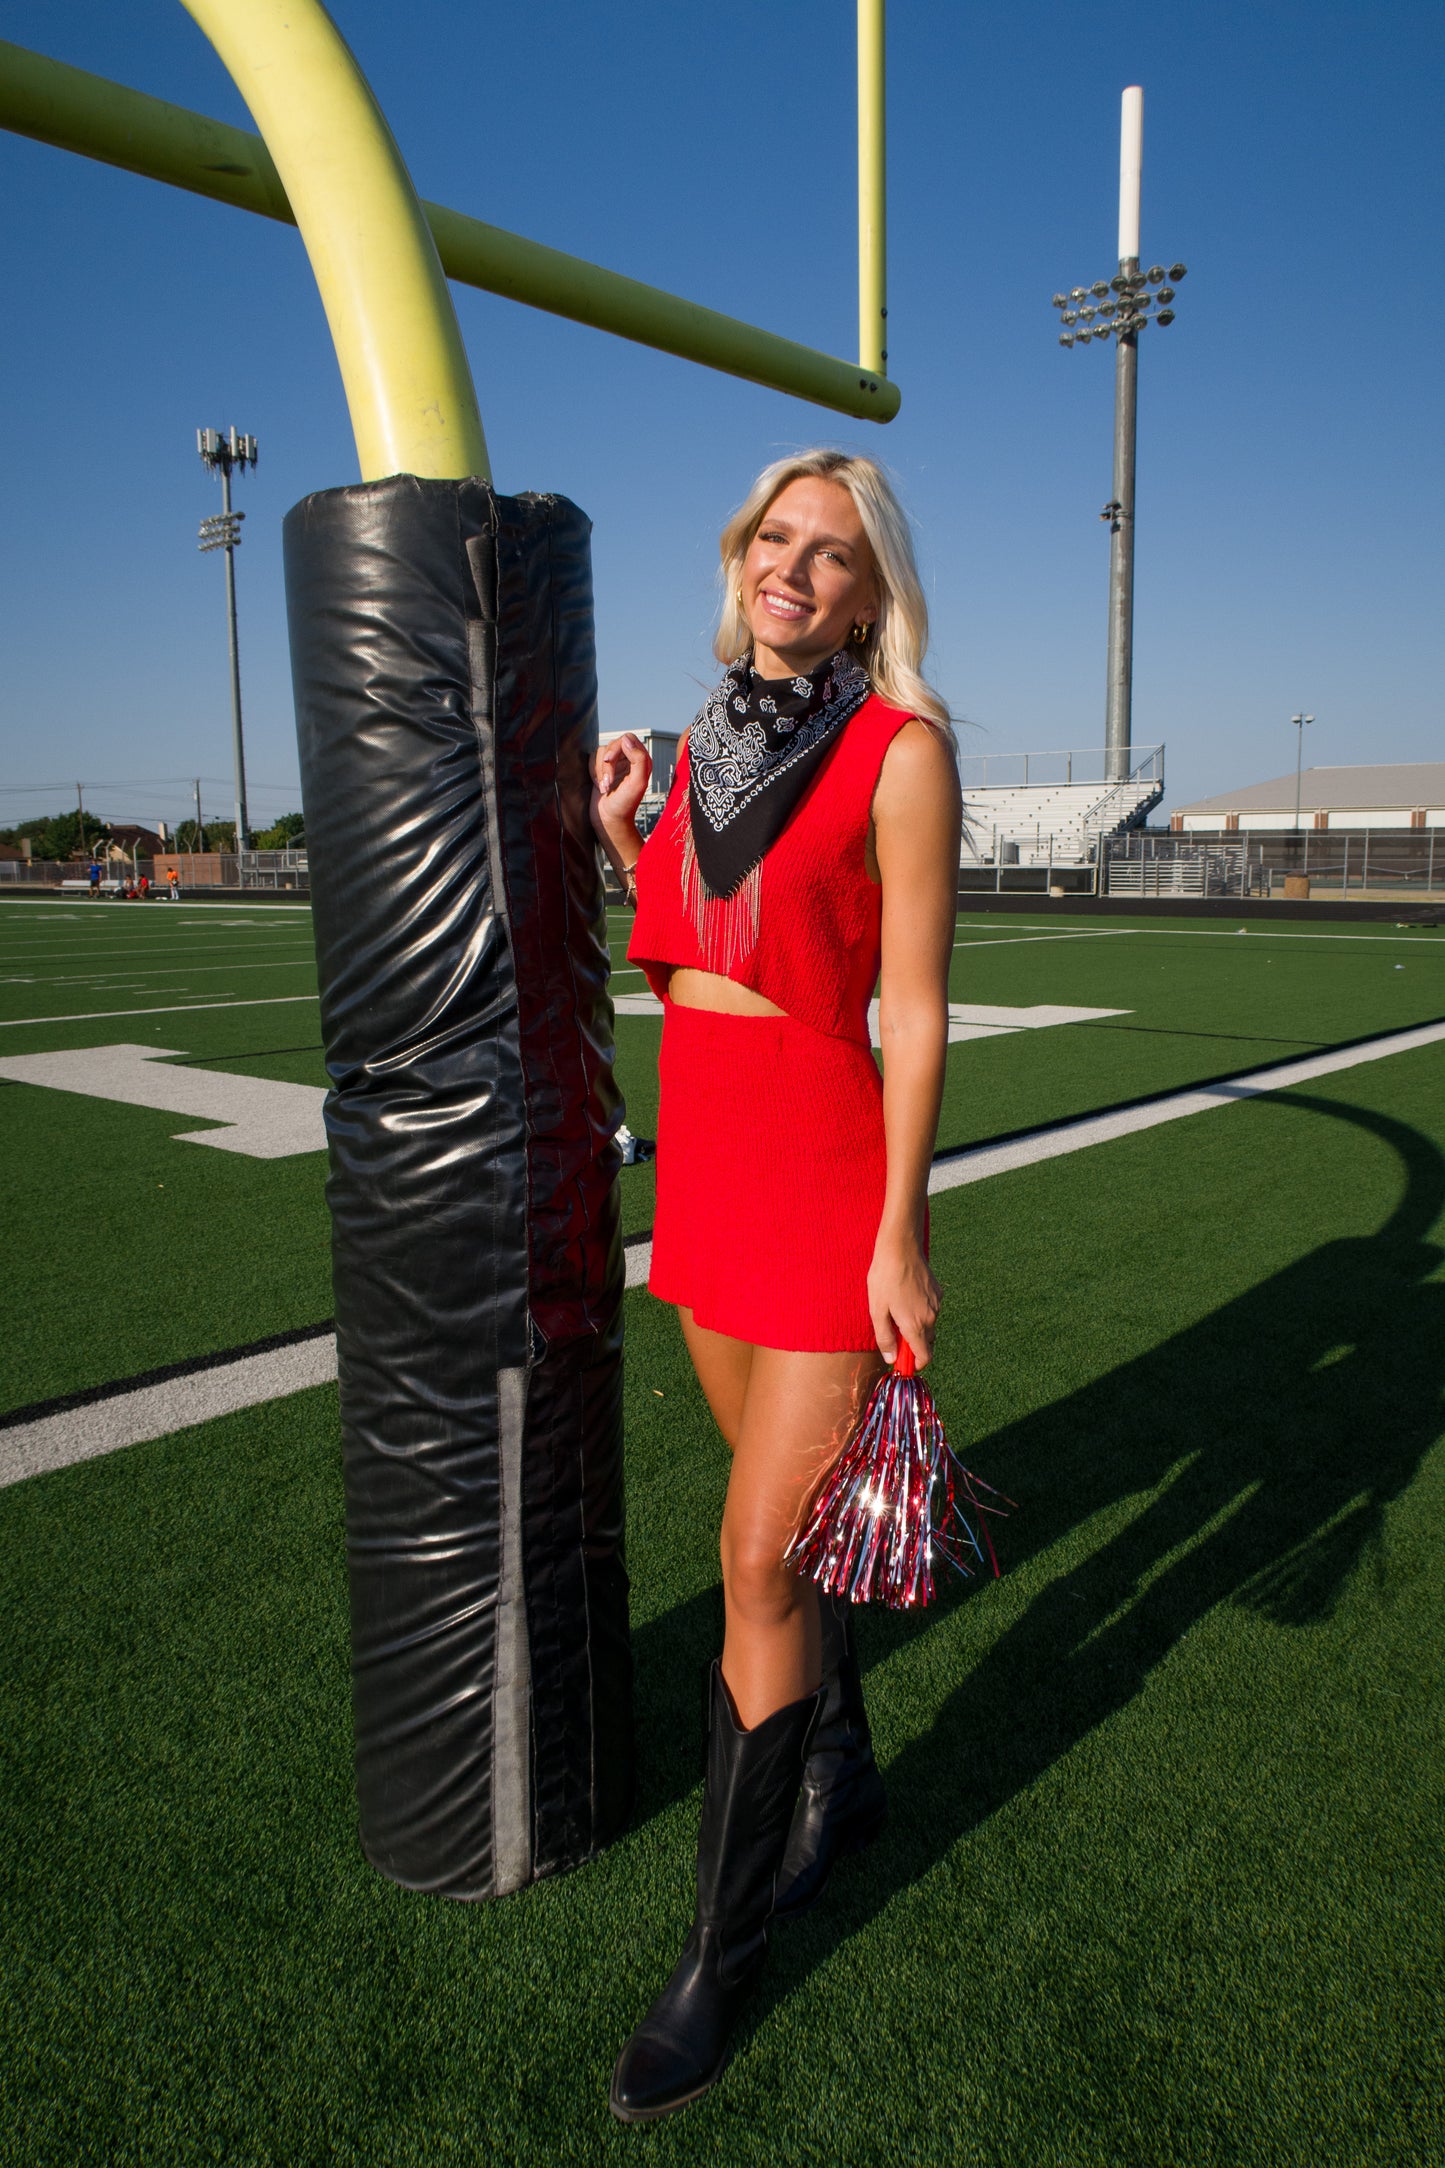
x=681 y=2046
x=842 y=1804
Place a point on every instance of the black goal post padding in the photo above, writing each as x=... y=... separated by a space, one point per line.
x=446 y=703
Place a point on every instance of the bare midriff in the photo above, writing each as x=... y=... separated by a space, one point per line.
x=710 y=990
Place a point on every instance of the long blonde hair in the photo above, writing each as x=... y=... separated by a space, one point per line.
x=893 y=651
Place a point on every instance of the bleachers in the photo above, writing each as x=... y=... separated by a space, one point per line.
x=1051 y=808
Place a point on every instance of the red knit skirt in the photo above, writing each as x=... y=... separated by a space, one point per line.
x=770 y=1177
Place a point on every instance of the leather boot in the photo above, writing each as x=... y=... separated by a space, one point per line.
x=680 y=2048
x=842 y=1804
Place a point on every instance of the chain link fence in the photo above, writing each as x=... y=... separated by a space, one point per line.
x=199 y=871
x=1383 y=864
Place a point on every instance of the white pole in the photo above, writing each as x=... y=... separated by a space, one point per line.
x=1131 y=160
x=1119 y=699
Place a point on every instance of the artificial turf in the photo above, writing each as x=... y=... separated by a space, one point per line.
x=140 y=1251
x=1162 y=1879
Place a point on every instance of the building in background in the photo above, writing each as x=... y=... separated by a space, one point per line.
x=1405 y=794
x=662 y=752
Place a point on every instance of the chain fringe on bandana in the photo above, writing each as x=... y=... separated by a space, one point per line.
x=726 y=926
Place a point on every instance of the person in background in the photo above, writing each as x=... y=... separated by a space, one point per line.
x=173 y=883
x=93 y=875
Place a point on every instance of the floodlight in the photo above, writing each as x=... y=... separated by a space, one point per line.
x=1099 y=288
x=1165 y=316
x=1086 y=316
x=1177 y=270
x=1155 y=273
x=1071 y=316
x=1079 y=293
x=1066 y=338
x=1060 y=301
x=1166 y=294
x=1084 y=337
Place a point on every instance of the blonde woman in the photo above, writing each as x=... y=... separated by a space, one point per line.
x=811 y=839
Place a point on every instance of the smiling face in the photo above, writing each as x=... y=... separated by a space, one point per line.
x=807 y=579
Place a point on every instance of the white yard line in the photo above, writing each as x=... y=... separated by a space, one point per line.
x=1090 y=1129
x=175 y=1008
x=103 y=957
x=154 y=1411
x=163 y=971
x=1009 y=940
x=1257 y=930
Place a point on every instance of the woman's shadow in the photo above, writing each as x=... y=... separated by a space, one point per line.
x=1275 y=1433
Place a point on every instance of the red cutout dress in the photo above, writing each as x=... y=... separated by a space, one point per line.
x=771 y=1164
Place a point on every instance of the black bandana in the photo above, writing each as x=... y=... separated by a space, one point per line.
x=756 y=745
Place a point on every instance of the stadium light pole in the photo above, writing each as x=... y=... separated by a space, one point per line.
x=1120 y=307
x=221 y=454
x=1301 y=724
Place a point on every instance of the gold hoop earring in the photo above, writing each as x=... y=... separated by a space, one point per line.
x=742 y=612
x=860 y=633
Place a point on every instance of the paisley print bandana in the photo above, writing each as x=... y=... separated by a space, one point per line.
x=754 y=748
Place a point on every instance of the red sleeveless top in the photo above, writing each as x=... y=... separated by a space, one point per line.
x=804 y=929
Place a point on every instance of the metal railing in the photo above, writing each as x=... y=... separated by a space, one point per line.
x=275 y=869
x=1040 y=771
x=197 y=870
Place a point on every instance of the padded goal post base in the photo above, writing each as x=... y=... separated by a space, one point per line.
x=442 y=650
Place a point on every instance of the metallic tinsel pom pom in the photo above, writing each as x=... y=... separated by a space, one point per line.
x=895 y=1498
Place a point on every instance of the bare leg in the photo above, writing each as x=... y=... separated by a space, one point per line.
x=722 y=1365
x=798 y=1411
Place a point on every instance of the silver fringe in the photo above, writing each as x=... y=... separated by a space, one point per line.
x=726 y=926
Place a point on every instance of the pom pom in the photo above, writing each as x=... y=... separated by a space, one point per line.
x=896 y=1496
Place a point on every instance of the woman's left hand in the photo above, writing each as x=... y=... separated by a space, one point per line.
x=903 y=1297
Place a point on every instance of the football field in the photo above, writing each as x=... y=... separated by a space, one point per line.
x=1162 y=1876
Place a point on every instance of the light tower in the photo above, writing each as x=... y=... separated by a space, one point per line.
x=221 y=454
x=1120 y=308
x=1301 y=724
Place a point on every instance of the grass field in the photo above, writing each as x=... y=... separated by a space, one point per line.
x=1162 y=1882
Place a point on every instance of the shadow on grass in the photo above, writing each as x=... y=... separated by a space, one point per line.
x=1269 y=1439
x=1280 y=1428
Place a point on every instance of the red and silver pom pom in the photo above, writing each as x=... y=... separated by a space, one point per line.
x=896 y=1497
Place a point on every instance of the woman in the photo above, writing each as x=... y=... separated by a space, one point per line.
x=812 y=831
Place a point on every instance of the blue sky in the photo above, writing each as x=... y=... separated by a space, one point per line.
x=1290 y=454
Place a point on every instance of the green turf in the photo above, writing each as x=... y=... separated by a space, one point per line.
x=1162 y=1880
x=139 y=1251
x=1203 y=1001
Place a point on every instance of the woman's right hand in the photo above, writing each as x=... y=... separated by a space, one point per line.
x=621 y=771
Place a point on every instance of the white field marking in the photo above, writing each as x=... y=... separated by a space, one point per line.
x=153 y=948
x=175 y=1008
x=198 y=970
x=153 y=1411
x=1257 y=930
x=265 y=1118
x=156 y=1411
x=990 y=1159
x=1009 y=940
x=966 y=1019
